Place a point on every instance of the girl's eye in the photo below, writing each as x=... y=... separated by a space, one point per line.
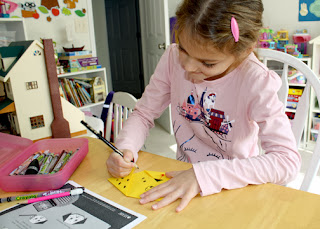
x=208 y=65
x=181 y=49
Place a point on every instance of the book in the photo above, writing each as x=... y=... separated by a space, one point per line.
x=70 y=94
x=83 y=68
x=76 y=53
x=75 y=93
x=62 y=57
x=78 y=63
x=81 y=82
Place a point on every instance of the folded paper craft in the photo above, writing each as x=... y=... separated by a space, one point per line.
x=135 y=184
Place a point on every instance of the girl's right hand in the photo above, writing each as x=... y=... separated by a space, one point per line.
x=120 y=166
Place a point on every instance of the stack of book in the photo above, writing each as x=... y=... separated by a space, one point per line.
x=76 y=91
x=78 y=61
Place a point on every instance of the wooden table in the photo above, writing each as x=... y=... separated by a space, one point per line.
x=256 y=206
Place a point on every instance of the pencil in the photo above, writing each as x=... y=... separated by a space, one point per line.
x=115 y=149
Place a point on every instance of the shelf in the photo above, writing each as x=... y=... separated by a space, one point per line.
x=315 y=110
x=14 y=24
x=297 y=84
x=71 y=74
x=95 y=108
x=91 y=105
x=290 y=110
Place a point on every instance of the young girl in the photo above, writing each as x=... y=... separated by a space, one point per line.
x=223 y=100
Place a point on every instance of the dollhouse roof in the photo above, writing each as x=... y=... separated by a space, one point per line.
x=10 y=51
x=315 y=40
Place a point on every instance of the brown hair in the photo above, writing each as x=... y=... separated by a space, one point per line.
x=208 y=22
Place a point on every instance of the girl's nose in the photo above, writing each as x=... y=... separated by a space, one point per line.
x=190 y=64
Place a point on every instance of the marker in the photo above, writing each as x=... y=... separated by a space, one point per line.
x=52 y=164
x=115 y=149
x=59 y=164
x=34 y=195
x=46 y=163
x=33 y=168
x=73 y=192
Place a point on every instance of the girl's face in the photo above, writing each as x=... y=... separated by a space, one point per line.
x=204 y=63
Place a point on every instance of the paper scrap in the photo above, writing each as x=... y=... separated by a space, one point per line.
x=135 y=184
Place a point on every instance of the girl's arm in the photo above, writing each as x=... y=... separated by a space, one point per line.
x=153 y=102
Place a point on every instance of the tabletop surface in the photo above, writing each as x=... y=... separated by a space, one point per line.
x=255 y=206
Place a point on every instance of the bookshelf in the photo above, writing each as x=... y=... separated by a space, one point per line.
x=94 y=107
x=278 y=68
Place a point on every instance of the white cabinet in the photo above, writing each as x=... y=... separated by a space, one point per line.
x=12 y=28
x=94 y=108
x=314 y=110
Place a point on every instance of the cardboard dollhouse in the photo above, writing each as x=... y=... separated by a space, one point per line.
x=316 y=55
x=26 y=83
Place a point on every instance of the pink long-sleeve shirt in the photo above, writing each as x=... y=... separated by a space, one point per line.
x=217 y=124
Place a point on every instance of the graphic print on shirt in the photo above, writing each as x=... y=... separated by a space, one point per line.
x=215 y=123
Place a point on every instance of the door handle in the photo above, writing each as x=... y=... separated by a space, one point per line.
x=162 y=46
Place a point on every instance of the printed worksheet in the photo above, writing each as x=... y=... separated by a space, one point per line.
x=88 y=210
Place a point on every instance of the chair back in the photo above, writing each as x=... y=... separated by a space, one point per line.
x=303 y=115
x=121 y=106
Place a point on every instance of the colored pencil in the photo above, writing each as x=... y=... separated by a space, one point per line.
x=115 y=149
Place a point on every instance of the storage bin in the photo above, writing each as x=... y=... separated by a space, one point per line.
x=316 y=123
x=314 y=134
x=292 y=105
x=294 y=91
x=15 y=150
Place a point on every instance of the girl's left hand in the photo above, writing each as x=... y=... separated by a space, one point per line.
x=183 y=185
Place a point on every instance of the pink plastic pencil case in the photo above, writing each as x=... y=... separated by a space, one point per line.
x=15 y=150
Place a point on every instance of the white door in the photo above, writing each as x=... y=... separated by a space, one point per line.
x=155 y=37
x=155 y=33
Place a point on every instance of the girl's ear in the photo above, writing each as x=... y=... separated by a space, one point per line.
x=251 y=49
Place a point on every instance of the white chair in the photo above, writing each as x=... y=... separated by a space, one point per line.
x=303 y=105
x=121 y=106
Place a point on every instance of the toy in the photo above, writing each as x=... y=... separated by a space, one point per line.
x=4 y=10
x=283 y=39
x=301 y=39
x=266 y=38
x=27 y=85
x=292 y=49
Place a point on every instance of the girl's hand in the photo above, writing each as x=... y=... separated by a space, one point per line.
x=120 y=166
x=183 y=185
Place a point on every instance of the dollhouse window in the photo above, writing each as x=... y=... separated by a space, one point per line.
x=37 y=122
x=32 y=85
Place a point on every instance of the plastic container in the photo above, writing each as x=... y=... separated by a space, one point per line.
x=15 y=150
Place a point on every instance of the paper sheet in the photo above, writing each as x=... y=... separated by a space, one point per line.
x=135 y=184
x=88 y=210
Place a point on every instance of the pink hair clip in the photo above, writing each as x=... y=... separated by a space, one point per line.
x=235 y=29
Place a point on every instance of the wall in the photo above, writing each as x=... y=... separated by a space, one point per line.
x=278 y=14
x=101 y=34
x=69 y=26
x=172 y=4
x=283 y=14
